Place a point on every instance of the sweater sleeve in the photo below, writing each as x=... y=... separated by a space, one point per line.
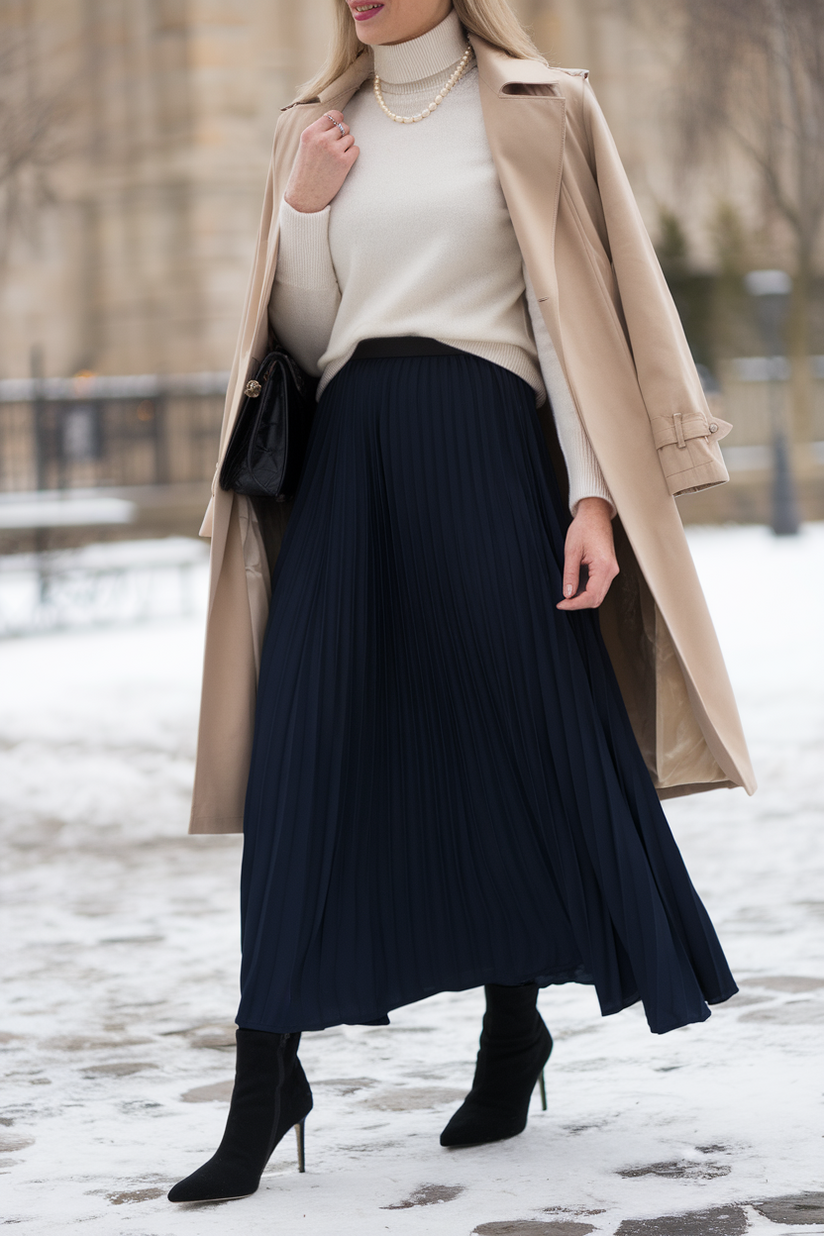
x=305 y=295
x=586 y=480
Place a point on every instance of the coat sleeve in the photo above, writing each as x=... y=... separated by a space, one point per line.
x=245 y=348
x=586 y=480
x=687 y=437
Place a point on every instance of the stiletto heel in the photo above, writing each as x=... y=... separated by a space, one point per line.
x=515 y=1045
x=271 y=1095
x=300 y=1134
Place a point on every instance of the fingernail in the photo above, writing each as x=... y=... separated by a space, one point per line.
x=568 y=590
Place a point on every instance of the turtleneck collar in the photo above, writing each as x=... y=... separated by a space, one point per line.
x=432 y=53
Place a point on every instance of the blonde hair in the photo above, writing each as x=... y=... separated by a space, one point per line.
x=492 y=20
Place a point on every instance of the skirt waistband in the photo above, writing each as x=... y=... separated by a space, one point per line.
x=403 y=345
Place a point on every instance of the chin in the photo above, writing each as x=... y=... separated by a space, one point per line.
x=369 y=37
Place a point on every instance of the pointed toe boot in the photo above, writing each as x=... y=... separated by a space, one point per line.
x=270 y=1096
x=515 y=1045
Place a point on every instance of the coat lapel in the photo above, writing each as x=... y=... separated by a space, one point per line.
x=297 y=117
x=525 y=119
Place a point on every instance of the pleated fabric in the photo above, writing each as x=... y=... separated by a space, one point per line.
x=445 y=790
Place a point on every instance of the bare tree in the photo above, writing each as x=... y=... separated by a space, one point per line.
x=753 y=70
x=34 y=133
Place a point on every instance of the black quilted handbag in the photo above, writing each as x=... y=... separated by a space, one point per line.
x=268 y=443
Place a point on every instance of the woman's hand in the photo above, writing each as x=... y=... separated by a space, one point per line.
x=325 y=157
x=589 y=543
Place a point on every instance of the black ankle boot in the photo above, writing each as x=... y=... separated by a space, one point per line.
x=271 y=1094
x=515 y=1046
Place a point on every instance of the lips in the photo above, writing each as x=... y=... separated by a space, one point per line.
x=362 y=12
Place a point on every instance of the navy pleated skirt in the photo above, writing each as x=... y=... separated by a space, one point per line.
x=445 y=790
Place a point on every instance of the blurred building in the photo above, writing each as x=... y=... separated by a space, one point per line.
x=134 y=140
x=149 y=123
x=142 y=136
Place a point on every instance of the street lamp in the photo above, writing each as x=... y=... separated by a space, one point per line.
x=770 y=290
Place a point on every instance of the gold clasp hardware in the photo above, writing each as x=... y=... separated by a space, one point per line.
x=252 y=389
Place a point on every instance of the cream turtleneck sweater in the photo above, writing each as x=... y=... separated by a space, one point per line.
x=418 y=241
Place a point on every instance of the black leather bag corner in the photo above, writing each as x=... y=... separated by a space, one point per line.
x=268 y=443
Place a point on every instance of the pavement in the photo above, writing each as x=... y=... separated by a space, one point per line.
x=120 y=955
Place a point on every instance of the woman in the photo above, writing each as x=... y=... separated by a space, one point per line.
x=453 y=778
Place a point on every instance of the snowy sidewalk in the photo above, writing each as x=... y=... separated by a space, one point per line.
x=120 y=960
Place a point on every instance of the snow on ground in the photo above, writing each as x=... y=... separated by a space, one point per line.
x=120 y=951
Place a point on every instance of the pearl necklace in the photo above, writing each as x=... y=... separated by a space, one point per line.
x=463 y=64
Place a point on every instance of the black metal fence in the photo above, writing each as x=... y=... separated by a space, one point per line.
x=88 y=432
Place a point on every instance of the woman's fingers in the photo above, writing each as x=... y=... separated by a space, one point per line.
x=589 y=546
x=326 y=155
x=328 y=129
x=600 y=574
x=337 y=124
x=573 y=561
x=590 y=597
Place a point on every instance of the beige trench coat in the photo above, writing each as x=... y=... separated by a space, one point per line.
x=626 y=362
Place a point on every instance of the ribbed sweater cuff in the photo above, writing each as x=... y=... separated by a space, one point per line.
x=587 y=479
x=304 y=257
